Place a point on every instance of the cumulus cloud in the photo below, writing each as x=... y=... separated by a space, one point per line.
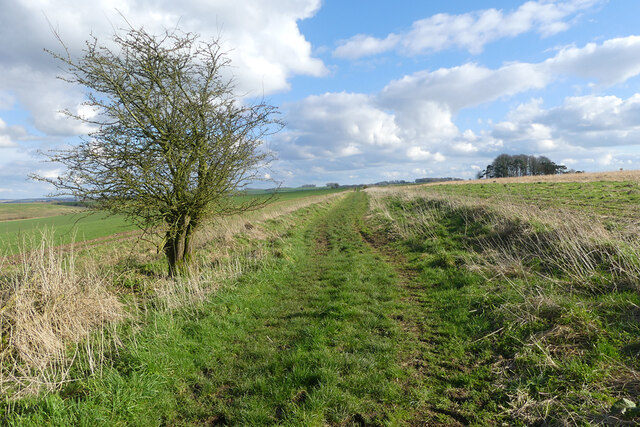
x=466 y=85
x=262 y=39
x=585 y=121
x=411 y=120
x=612 y=62
x=13 y=178
x=418 y=153
x=362 y=45
x=469 y=31
x=337 y=125
x=9 y=135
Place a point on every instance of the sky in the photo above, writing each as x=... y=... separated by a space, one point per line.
x=369 y=90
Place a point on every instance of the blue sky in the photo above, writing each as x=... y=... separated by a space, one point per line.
x=370 y=90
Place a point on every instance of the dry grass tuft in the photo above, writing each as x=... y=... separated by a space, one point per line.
x=46 y=304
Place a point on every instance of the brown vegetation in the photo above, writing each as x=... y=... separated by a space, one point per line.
x=48 y=303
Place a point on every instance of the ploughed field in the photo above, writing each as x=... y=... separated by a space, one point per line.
x=459 y=304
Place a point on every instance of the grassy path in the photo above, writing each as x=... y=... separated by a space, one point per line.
x=309 y=340
x=320 y=344
x=328 y=334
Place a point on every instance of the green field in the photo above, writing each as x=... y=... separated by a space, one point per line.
x=611 y=198
x=22 y=224
x=20 y=235
x=17 y=211
x=385 y=307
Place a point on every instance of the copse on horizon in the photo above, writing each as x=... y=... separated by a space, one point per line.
x=506 y=166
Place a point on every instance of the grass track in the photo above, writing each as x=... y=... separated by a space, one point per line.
x=328 y=333
x=346 y=323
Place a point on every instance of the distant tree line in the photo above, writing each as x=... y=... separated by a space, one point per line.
x=506 y=165
x=429 y=180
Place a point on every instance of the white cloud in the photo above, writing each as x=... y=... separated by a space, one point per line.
x=586 y=121
x=411 y=121
x=13 y=176
x=419 y=171
x=337 y=125
x=464 y=148
x=419 y=154
x=469 y=31
x=362 y=45
x=612 y=62
x=9 y=135
x=262 y=39
x=466 y=85
x=5 y=141
x=606 y=160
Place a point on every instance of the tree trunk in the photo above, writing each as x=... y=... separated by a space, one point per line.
x=178 y=247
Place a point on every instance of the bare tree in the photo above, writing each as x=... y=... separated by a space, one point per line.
x=172 y=140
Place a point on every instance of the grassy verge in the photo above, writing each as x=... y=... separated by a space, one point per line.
x=615 y=199
x=542 y=308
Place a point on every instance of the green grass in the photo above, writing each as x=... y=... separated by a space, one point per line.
x=349 y=322
x=308 y=340
x=610 y=198
x=326 y=332
x=18 y=211
x=553 y=350
x=21 y=235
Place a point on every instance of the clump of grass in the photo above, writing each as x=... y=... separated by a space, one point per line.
x=47 y=304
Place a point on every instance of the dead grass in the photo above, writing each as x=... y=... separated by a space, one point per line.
x=47 y=304
x=223 y=229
